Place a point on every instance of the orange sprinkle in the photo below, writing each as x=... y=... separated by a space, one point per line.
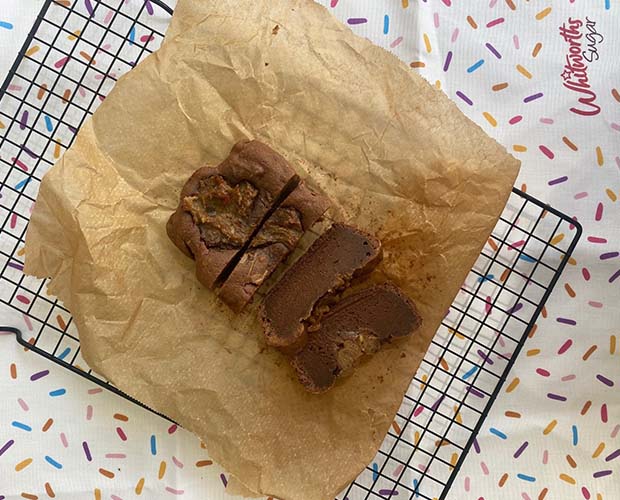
x=21 y=251
x=405 y=3
x=543 y=493
x=203 y=463
x=97 y=494
x=29 y=496
x=524 y=72
x=589 y=352
x=492 y=244
x=611 y=194
x=57 y=149
x=61 y=322
x=457 y=417
x=569 y=143
x=33 y=50
x=536 y=50
x=612 y=344
x=106 y=473
x=65 y=96
x=505 y=274
x=23 y=464
x=569 y=290
x=512 y=414
x=513 y=385
x=557 y=238
x=41 y=91
x=503 y=479
x=75 y=34
x=427 y=43
x=599 y=450
x=13 y=371
x=489 y=117
x=453 y=459
x=599 y=156
x=524 y=187
x=443 y=442
x=550 y=427
x=568 y=479
x=543 y=13
x=471 y=22
x=532 y=331
x=444 y=364
x=532 y=352
x=499 y=86
x=396 y=428
x=139 y=486
x=586 y=407
x=519 y=148
x=458 y=335
x=418 y=64
x=87 y=57
x=616 y=94
x=48 y=423
x=572 y=261
x=49 y=490
x=121 y=417
x=544 y=311
x=203 y=445
x=511 y=4
x=416 y=437
x=162 y=470
x=571 y=461
x=2 y=125
x=599 y=496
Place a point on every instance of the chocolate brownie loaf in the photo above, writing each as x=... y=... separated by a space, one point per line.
x=356 y=326
x=340 y=254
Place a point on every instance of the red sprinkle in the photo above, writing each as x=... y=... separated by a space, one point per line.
x=565 y=346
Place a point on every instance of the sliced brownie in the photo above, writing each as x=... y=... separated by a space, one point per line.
x=340 y=254
x=357 y=325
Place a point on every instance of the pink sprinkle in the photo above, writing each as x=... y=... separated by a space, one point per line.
x=515 y=40
x=436 y=19
x=23 y=299
x=585 y=493
x=108 y=17
x=89 y=412
x=172 y=429
x=20 y=164
x=525 y=496
x=565 y=346
x=396 y=42
x=495 y=22
x=485 y=469
x=586 y=274
x=63 y=440
x=605 y=380
x=593 y=303
x=455 y=35
x=61 y=62
x=596 y=239
x=615 y=126
x=492 y=4
x=115 y=497
x=515 y=119
x=333 y=3
x=115 y=455
x=599 y=212
x=121 y=434
x=179 y=492
x=23 y=404
x=467 y=483
x=546 y=121
x=81 y=91
x=604 y=415
x=542 y=372
x=13 y=222
x=568 y=378
x=398 y=470
x=448 y=3
x=545 y=457
x=546 y=151
x=177 y=462
x=487 y=305
x=15 y=87
x=147 y=38
x=516 y=244
x=418 y=410
x=28 y=322
x=614 y=433
x=583 y=194
x=96 y=390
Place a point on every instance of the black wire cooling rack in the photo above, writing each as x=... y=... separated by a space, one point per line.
x=70 y=61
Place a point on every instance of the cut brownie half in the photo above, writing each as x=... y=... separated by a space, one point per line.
x=222 y=208
x=356 y=326
x=275 y=240
x=342 y=253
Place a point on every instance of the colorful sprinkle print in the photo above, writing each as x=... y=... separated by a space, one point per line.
x=554 y=431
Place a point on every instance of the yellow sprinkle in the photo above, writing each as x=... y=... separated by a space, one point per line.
x=75 y=34
x=416 y=438
x=33 y=50
x=557 y=238
x=519 y=148
x=513 y=385
x=532 y=352
x=458 y=417
x=139 y=486
x=438 y=84
x=97 y=494
x=568 y=479
x=599 y=496
x=536 y=50
x=453 y=459
x=543 y=13
x=523 y=71
x=550 y=427
x=599 y=450
x=57 y=148
x=610 y=193
x=162 y=470
x=23 y=464
x=405 y=3
x=490 y=118
x=612 y=344
x=572 y=261
x=427 y=43
x=599 y=156
x=21 y=251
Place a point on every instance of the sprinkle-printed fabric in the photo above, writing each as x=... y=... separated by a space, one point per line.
x=544 y=79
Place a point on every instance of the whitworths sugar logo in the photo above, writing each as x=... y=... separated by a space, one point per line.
x=583 y=41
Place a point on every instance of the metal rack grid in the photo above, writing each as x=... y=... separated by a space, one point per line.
x=68 y=64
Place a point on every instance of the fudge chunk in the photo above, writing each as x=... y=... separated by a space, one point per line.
x=275 y=240
x=221 y=208
x=342 y=253
x=356 y=326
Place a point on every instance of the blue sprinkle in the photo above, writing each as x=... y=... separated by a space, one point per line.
x=5 y=25
x=488 y=277
x=386 y=24
x=415 y=488
x=575 y=436
x=64 y=353
x=530 y=479
x=58 y=392
x=498 y=433
x=21 y=426
x=48 y=124
x=153 y=445
x=475 y=66
x=375 y=471
x=473 y=370
x=607 y=4
x=52 y=462
x=132 y=35
x=527 y=258
x=22 y=183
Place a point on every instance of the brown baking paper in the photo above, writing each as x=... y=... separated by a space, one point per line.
x=393 y=153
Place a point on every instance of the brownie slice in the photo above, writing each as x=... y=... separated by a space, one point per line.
x=340 y=254
x=275 y=240
x=356 y=326
x=221 y=208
